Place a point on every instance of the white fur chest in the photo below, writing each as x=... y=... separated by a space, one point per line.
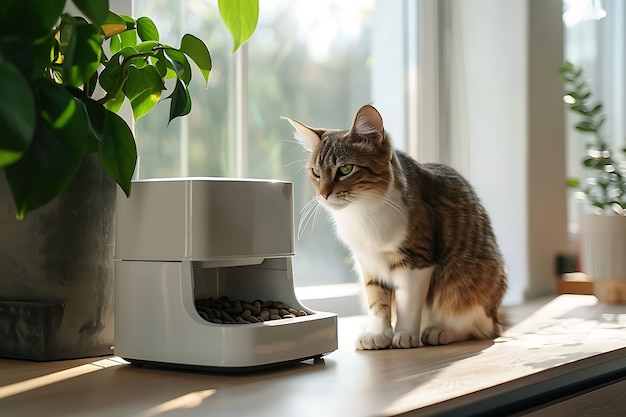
x=372 y=230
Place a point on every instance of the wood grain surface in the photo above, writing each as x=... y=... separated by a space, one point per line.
x=559 y=338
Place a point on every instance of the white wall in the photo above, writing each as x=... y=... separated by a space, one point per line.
x=506 y=128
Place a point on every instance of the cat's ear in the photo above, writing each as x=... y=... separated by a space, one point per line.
x=308 y=137
x=368 y=123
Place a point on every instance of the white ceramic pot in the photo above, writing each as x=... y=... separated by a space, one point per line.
x=603 y=255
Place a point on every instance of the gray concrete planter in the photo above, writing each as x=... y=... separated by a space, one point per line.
x=56 y=272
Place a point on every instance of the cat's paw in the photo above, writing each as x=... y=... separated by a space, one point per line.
x=405 y=340
x=435 y=336
x=371 y=341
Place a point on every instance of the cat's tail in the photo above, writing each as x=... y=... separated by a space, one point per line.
x=501 y=322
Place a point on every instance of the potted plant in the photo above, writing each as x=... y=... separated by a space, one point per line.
x=63 y=147
x=603 y=230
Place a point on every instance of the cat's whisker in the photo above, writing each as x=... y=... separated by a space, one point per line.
x=298 y=161
x=302 y=163
x=301 y=169
x=372 y=220
x=304 y=214
x=297 y=146
x=385 y=200
x=307 y=213
x=316 y=212
x=294 y=140
x=389 y=202
x=393 y=204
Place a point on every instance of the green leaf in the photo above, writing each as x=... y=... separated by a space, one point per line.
x=36 y=17
x=198 y=52
x=55 y=153
x=181 y=101
x=573 y=182
x=128 y=38
x=118 y=19
x=117 y=150
x=580 y=108
x=17 y=114
x=596 y=109
x=20 y=52
x=240 y=17
x=146 y=46
x=95 y=10
x=180 y=64
x=147 y=30
x=112 y=72
x=130 y=22
x=115 y=44
x=116 y=103
x=165 y=65
x=91 y=84
x=161 y=64
x=592 y=162
x=82 y=53
x=566 y=68
x=585 y=127
x=96 y=114
x=143 y=88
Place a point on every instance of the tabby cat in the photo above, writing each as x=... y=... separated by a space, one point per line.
x=422 y=240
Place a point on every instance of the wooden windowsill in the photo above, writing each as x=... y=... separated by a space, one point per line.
x=554 y=347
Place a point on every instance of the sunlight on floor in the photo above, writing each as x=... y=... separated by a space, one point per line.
x=34 y=383
x=191 y=400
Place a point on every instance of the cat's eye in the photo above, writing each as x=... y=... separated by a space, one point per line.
x=315 y=172
x=346 y=169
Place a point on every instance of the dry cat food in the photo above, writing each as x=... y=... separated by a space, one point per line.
x=226 y=311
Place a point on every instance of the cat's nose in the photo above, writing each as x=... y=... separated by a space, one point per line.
x=325 y=190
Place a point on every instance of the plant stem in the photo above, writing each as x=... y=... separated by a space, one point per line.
x=124 y=73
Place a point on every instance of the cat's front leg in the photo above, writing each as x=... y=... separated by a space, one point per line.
x=411 y=290
x=378 y=332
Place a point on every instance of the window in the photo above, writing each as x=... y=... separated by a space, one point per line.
x=316 y=62
x=594 y=40
x=453 y=80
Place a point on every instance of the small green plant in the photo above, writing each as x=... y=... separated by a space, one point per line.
x=52 y=114
x=605 y=188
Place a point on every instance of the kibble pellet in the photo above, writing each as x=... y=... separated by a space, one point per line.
x=223 y=310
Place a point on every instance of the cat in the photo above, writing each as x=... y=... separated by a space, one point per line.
x=422 y=241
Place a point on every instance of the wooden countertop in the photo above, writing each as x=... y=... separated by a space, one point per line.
x=554 y=345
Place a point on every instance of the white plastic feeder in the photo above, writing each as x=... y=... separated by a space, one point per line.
x=179 y=240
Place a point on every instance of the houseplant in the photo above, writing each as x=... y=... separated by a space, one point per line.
x=603 y=231
x=50 y=66
x=63 y=148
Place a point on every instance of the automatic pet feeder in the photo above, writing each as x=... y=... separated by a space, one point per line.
x=180 y=240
